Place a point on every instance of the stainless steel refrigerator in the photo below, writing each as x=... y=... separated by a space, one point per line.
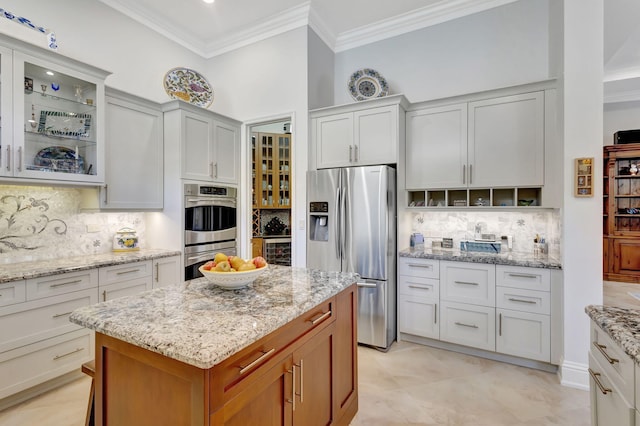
x=352 y=228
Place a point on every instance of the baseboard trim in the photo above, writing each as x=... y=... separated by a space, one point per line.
x=574 y=375
x=34 y=391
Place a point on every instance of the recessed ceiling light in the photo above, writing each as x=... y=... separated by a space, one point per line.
x=208 y=1
x=49 y=72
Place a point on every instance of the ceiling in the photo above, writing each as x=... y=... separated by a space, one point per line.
x=213 y=29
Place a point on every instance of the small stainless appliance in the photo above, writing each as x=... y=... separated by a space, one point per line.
x=210 y=225
x=352 y=228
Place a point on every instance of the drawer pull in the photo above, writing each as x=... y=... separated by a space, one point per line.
x=301 y=394
x=265 y=355
x=435 y=313
x=465 y=283
x=68 y=353
x=292 y=401
x=500 y=325
x=320 y=318
x=419 y=265
x=466 y=325
x=65 y=283
x=61 y=315
x=604 y=353
x=421 y=287
x=128 y=272
x=533 y=302
x=511 y=274
x=595 y=376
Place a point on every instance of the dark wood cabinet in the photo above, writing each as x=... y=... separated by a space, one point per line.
x=621 y=215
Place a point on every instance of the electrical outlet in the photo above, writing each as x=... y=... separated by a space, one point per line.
x=93 y=227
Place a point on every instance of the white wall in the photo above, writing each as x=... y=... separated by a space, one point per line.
x=582 y=217
x=620 y=116
x=95 y=34
x=260 y=82
x=500 y=47
x=321 y=68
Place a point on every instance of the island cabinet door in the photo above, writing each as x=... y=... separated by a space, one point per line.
x=268 y=401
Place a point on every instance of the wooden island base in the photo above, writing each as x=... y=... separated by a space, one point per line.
x=304 y=373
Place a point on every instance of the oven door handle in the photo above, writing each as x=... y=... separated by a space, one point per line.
x=190 y=260
x=213 y=201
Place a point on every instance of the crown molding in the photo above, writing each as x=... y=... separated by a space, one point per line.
x=321 y=29
x=436 y=13
x=628 y=96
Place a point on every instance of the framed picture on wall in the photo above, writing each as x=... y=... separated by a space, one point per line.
x=584 y=177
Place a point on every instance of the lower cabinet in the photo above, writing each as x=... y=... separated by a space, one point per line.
x=623 y=261
x=468 y=325
x=166 y=271
x=523 y=334
x=125 y=280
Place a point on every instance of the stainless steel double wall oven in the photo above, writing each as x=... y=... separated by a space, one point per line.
x=210 y=225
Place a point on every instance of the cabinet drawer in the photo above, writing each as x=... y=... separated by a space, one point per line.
x=51 y=285
x=468 y=325
x=424 y=268
x=609 y=407
x=615 y=363
x=524 y=334
x=517 y=299
x=419 y=287
x=468 y=283
x=128 y=271
x=33 y=364
x=522 y=277
x=418 y=316
x=125 y=288
x=29 y=322
x=236 y=373
x=13 y=292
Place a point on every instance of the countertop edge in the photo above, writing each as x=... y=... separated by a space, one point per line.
x=606 y=317
x=508 y=258
x=48 y=267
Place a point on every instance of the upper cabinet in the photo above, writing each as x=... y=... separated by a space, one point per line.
x=134 y=153
x=488 y=143
x=359 y=134
x=52 y=114
x=209 y=143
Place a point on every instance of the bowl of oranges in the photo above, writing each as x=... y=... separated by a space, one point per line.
x=232 y=272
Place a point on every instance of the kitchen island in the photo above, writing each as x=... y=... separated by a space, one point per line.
x=281 y=351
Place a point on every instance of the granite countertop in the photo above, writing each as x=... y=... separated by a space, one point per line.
x=61 y=265
x=621 y=324
x=201 y=324
x=506 y=258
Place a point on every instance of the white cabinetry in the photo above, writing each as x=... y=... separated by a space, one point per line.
x=208 y=143
x=134 y=153
x=365 y=133
x=612 y=381
x=418 y=297
x=523 y=302
x=166 y=271
x=39 y=343
x=124 y=280
x=12 y=292
x=53 y=116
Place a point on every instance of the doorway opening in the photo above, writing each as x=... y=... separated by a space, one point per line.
x=271 y=184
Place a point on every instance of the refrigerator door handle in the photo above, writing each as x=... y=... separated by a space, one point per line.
x=345 y=215
x=367 y=285
x=336 y=222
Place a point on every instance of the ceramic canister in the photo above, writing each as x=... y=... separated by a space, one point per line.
x=125 y=240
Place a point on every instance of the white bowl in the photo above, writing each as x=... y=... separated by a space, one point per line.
x=232 y=280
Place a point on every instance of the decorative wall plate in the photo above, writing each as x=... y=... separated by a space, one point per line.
x=189 y=86
x=367 y=84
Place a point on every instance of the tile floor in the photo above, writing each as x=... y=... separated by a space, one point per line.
x=409 y=385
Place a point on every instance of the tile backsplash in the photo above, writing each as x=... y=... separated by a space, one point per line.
x=38 y=222
x=461 y=225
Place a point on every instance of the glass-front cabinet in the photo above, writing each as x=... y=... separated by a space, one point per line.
x=271 y=170
x=52 y=119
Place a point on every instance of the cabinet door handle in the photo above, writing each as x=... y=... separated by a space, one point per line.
x=350 y=149
x=321 y=318
x=61 y=315
x=64 y=283
x=421 y=287
x=68 y=353
x=595 y=376
x=465 y=283
x=265 y=355
x=602 y=348
x=470 y=173
x=8 y=158
x=464 y=173
x=500 y=325
x=466 y=325
x=355 y=150
x=435 y=313
x=511 y=274
x=106 y=197
x=533 y=302
x=19 y=158
x=157 y=272
x=419 y=265
x=292 y=401
x=211 y=169
x=104 y=295
x=301 y=394
x=215 y=170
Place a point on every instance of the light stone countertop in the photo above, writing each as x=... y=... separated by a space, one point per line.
x=621 y=324
x=201 y=324
x=61 y=265
x=505 y=258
